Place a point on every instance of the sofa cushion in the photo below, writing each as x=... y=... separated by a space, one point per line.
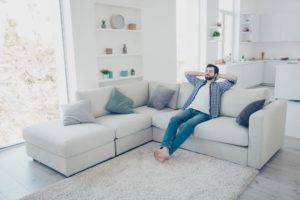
x=150 y=111
x=244 y=116
x=160 y=97
x=98 y=99
x=119 y=103
x=125 y=124
x=222 y=129
x=236 y=99
x=161 y=120
x=76 y=113
x=185 y=91
x=175 y=87
x=66 y=141
x=137 y=91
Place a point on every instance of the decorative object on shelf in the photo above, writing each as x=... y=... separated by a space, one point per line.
x=216 y=34
x=124 y=50
x=106 y=73
x=284 y=58
x=123 y=73
x=132 y=72
x=246 y=29
x=117 y=21
x=243 y=58
x=219 y=24
x=262 y=55
x=132 y=26
x=220 y=62
x=103 y=24
x=108 y=50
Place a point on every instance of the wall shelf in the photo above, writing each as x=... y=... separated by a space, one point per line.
x=119 y=79
x=119 y=30
x=118 y=55
x=117 y=5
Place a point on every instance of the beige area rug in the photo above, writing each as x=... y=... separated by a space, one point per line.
x=137 y=175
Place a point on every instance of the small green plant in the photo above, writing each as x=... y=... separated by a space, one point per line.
x=216 y=34
x=105 y=71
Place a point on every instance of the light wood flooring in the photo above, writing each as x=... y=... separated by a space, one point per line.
x=279 y=179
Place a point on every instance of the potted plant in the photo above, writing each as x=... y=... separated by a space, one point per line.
x=216 y=35
x=106 y=73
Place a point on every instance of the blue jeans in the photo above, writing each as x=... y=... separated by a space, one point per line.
x=191 y=118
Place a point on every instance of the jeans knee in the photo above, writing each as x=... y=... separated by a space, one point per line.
x=174 y=120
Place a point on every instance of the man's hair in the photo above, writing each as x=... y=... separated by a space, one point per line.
x=216 y=69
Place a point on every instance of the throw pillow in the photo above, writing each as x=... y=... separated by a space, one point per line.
x=160 y=98
x=244 y=116
x=76 y=113
x=119 y=103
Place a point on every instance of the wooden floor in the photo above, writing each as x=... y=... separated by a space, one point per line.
x=279 y=179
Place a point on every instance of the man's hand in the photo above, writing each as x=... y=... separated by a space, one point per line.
x=195 y=73
x=227 y=77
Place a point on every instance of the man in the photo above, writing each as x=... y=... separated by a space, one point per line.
x=203 y=104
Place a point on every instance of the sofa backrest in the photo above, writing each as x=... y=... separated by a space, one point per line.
x=185 y=90
x=235 y=100
x=99 y=97
x=175 y=86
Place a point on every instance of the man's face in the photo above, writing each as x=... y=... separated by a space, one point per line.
x=210 y=73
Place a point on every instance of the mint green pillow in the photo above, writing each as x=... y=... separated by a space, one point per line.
x=119 y=103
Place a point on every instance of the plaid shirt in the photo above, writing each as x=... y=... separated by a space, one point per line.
x=216 y=91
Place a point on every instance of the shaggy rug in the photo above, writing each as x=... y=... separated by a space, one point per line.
x=137 y=175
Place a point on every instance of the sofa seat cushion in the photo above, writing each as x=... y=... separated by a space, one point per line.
x=67 y=141
x=222 y=129
x=161 y=120
x=151 y=111
x=125 y=124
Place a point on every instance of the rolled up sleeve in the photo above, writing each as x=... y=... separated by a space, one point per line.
x=192 y=79
x=226 y=85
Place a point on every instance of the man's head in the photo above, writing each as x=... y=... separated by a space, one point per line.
x=211 y=72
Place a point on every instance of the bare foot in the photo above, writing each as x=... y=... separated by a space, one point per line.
x=162 y=154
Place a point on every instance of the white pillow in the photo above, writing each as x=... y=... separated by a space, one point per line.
x=76 y=113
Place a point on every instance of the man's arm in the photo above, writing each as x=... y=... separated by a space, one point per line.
x=191 y=76
x=194 y=73
x=228 y=77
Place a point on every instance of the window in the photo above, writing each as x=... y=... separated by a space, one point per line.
x=31 y=63
x=226 y=17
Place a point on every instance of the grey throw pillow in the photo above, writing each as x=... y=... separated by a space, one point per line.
x=160 y=98
x=244 y=116
x=76 y=113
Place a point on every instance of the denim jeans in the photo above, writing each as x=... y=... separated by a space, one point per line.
x=186 y=121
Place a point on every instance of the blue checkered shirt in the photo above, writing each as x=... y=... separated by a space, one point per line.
x=216 y=91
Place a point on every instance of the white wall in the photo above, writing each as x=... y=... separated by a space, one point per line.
x=273 y=50
x=159 y=40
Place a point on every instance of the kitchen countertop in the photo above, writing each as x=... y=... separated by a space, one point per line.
x=291 y=61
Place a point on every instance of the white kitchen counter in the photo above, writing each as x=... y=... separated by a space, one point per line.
x=287 y=81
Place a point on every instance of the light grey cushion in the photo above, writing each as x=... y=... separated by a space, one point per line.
x=160 y=97
x=67 y=141
x=98 y=98
x=76 y=113
x=161 y=120
x=222 y=129
x=119 y=103
x=173 y=101
x=150 y=111
x=235 y=100
x=185 y=91
x=137 y=91
x=125 y=124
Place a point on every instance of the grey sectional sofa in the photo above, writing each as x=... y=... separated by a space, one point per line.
x=70 y=149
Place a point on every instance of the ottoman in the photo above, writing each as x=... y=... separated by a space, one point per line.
x=69 y=149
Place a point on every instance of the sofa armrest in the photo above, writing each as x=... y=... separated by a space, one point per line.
x=266 y=133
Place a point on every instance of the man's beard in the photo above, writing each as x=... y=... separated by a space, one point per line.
x=209 y=78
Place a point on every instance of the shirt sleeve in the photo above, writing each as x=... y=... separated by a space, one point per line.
x=192 y=79
x=226 y=85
